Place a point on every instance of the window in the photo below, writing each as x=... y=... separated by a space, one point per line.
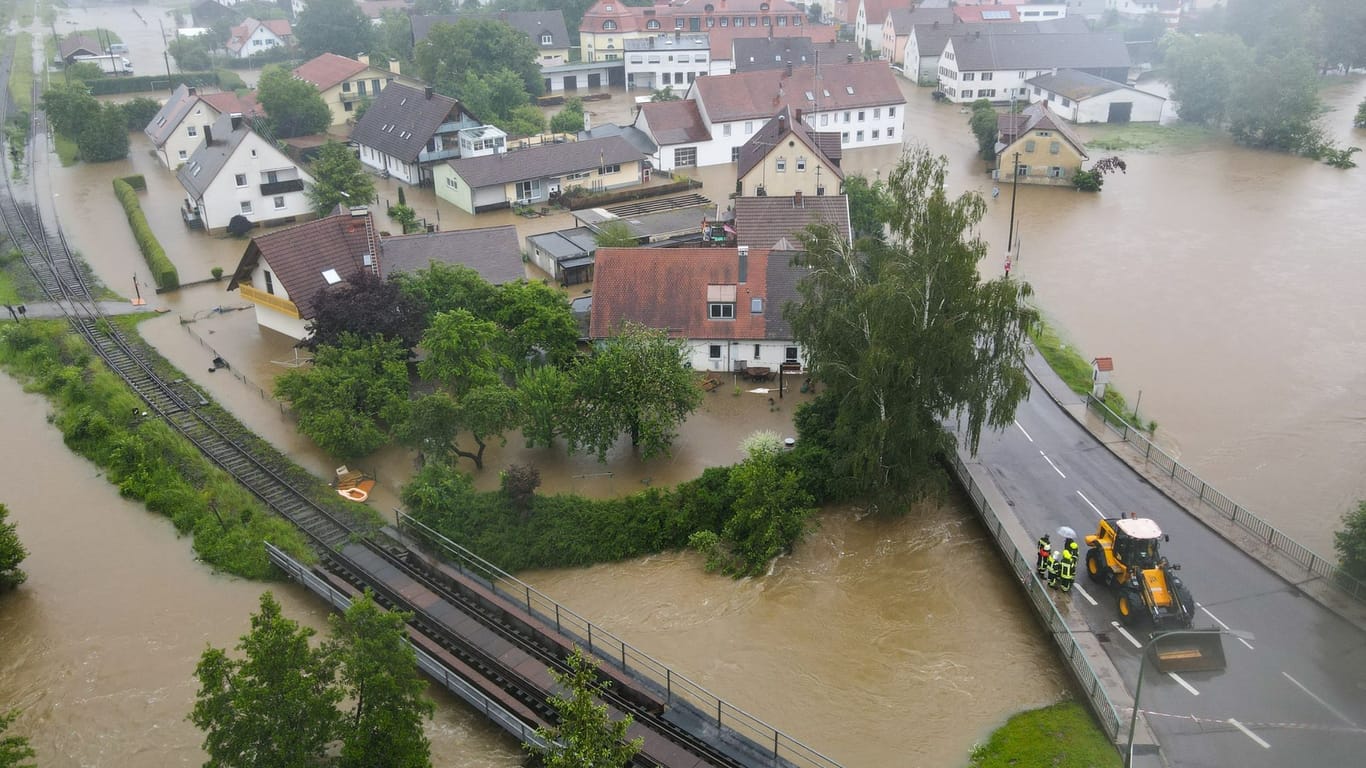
x=739 y=21
x=668 y=78
x=183 y=155
x=272 y=176
x=1037 y=92
x=241 y=179
x=360 y=87
x=192 y=131
x=877 y=113
x=1067 y=102
x=781 y=165
x=1022 y=75
x=529 y=190
x=825 y=118
x=877 y=134
x=1021 y=170
x=712 y=22
x=844 y=137
x=749 y=127
x=374 y=86
x=969 y=76
x=1029 y=145
x=987 y=76
x=847 y=115
x=891 y=111
x=246 y=206
x=859 y=136
x=348 y=106
x=652 y=24
x=608 y=169
x=967 y=93
x=735 y=154
x=801 y=164
x=253 y=153
x=609 y=25
x=725 y=129
x=1055 y=172
x=754 y=21
x=452 y=183
x=547 y=39
x=714 y=351
x=279 y=202
x=270 y=282
x=756 y=351
x=891 y=132
x=861 y=115
x=685 y=157
x=691 y=77
x=768 y=22
x=684 y=58
x=987 y=93
x=725 y=21
x=1054 y=147
x=718 y=310
x=756 y=307
x=790 y=354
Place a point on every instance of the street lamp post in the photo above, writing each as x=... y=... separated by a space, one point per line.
x=1143 y=665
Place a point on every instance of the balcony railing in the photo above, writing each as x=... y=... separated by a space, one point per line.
x=256 y=296
x=281 y=187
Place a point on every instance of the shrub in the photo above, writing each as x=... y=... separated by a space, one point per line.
x=239 y=226
x=1350 y=542
x=137 y=181
x=163 y=271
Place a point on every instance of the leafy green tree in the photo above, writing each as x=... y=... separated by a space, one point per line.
x=463 y=352
x=295 y=106
x=394 y=36
x=983 y=122
x=1360 y=120
x=338 y=179
x=905 y=334
x=477 y=45
x=868 y=204
x=586 y=735
x=570 y=118
x=104 y=135
x=69 y=106
x=665 y=94
x=536 y=318
x=771 y=510
x=274 y=708
x=12 y=553
x=519 y=483
x=364 y=307
x=1350 y=542
x=444 y=287
x=191 y=54
x=1277 y=105
x=637 y=384
x=498 y=98
x=345 y=399
x=615 y=234
x=83 y=72
x=544 y=394
x=1205 y=74
x=333 y=26
x=486 y=411
x=378 y=672
x=14 y=750
x=137 y=113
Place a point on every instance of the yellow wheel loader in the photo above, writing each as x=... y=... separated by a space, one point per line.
x=1123 y=555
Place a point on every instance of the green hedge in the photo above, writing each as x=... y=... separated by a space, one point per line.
x=163 y=271
x=579 y=200
x=136 y=181
x=139 y=83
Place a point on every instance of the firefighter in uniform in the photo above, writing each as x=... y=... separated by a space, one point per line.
x=1067 y=570
x=1041 y=564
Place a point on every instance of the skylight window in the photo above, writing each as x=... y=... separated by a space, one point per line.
x=849 y=89
x=995 y=15
x=810 y=96
x=331 y=276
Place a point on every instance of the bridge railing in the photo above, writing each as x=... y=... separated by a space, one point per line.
x=435 y=669
x=1057 y=626
x=731 y=724
x=1228 y=508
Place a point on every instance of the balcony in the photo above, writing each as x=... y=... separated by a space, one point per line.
x=428 y=156
x=281 y=187
x=255 y=296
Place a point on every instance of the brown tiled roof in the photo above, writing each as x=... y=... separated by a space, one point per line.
x=73 y=45
x=546 y=160
x=666 y=288
x=761 y=222
x=674 y=122
x=829 y=143
x=327 y=70
x=875 y=11
x=774 y=132
x=298 y=256
x=1036 y=116
x=229 y=102
x=747 y=95
x=493 y=252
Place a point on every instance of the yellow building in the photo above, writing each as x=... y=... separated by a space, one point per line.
x=1040 y=147
x=345 y=83
x=537 y=175
x=786 y=157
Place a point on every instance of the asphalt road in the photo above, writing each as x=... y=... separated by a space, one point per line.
x=1294 y=695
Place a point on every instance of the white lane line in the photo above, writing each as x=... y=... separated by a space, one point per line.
x=1051 y=464
x=1249 y=645
x=1026 y=434
x=1084 y=594
x=1225 y=626
x=1183 y=683
x=1248 y=733
x=1089 y=504
x=1126 y=634
x=1315 y=697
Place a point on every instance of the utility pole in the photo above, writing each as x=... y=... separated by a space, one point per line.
x=165 y=54
x=1014 y=189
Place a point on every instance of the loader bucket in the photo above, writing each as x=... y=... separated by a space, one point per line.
x=1200 y=650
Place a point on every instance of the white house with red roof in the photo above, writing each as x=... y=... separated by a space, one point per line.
x=254 y=36
x=609 y=23
x=178 y=129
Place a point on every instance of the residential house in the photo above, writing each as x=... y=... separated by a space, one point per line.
x=538 y=174
x=1043 y=11
x=723 y=40
x=996 y=67
x=986 y=14
x=751 y=53
x=545 y=29
x=926 y=42
x=237 y=172
x=1039 y=146
x=666 y=61
x=868 y=21
x=1169 y=10
x=726 y=304
x=896 y=30
x=73 y=46
x=374 y=10
x=254 y=36
x=786 y=158
x=344 y=82
x=207 y=13
x=177 y=130
x=1085 y=98
x=609 y=23
x=777 y=223
x=282 y=272
x=860 y=100
x=408 y=130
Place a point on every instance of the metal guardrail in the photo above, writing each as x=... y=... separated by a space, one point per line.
x=1212 y=498
x=434 y=669
x=679 y=691
x=1038 y=595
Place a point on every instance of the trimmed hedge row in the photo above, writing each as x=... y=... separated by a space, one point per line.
x=105 y=86
x=163 y=271
x=136 y=181
x=577 y=201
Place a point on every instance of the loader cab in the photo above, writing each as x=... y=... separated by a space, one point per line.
x=1136 y=542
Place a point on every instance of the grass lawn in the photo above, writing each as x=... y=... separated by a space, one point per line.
x=66 y=149
x=21 y=74
x=1059 y=736
x=9 y=294
x=1143 y=136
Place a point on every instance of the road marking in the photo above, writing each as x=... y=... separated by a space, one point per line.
x=1249 y=645
x=1089 y=504
x=1126 y=634
x=1248 y=733
x=1183 y=683
x=1089 y=599
x=1026 y=434
x=1225 y=626
x=1325 y=704
x=1051 y=464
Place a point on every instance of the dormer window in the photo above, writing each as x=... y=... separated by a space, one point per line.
x=652 y=24
x=547 y=39
x=721 y=302
x=609 y=25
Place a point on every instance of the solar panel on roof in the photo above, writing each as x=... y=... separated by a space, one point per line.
x=995 y=15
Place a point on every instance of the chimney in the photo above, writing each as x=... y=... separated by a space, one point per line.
x=208 y=135
x=797 y=118
x=191 y=90
x=742 y=258
x=363 y=58
x=393 y=66
x=427 y=91
x=797 y=199
x=236 y=118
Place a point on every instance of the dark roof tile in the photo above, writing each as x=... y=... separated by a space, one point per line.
x=401 y=121
x=544 y=161
x=761 y=222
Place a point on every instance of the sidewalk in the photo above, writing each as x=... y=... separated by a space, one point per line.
x=47 y=310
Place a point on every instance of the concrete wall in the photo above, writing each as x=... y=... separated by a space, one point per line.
x=771 y=353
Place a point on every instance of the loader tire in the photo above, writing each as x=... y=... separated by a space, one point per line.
x=1130 y=607
x=1095 y=565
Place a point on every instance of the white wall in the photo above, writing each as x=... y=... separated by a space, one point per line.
x=181 y=140
x=771 y=354
x=956 y=85
x=373 y=158
x=1147 y=108
x=1041 y=11
x=261 y=40
x=223 y=199
x=293 y=327
x=646 y=69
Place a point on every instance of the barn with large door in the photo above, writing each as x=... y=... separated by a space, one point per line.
x=1085 y=98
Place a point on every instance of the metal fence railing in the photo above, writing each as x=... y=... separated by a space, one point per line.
x=733 y=724
x=1212 y=498
x=1057 y=626
x=438 y=672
